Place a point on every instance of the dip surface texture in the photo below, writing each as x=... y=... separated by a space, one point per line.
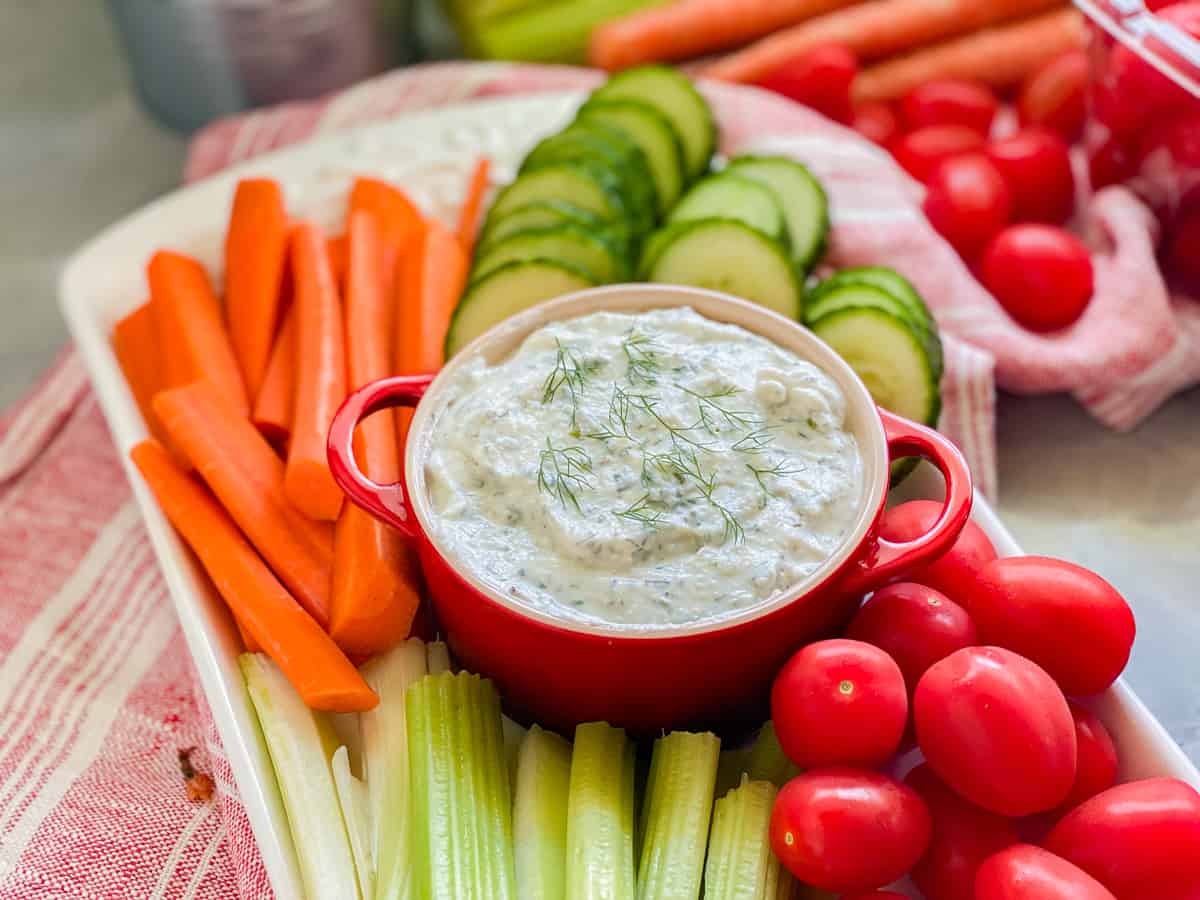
x=648 y=469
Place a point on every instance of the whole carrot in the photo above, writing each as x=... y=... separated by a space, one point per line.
x=255 y=258
x=273 y=408
x=191 y=336
x=312 y=662
x=320 y=376
x=468 y=217
x=999 y=56
x=872 y=30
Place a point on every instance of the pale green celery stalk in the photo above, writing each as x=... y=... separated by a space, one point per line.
x=739 y=849
x=782 y=885
x=386 y=767
x=301 y=742
x=514 y=734
x=439 y=657
x=352 y=797
x=461 y=801
x=767 y=761
x=678 y=803
x=730 y=768
x=540 y=815
x=600 y=815
x=557 y=32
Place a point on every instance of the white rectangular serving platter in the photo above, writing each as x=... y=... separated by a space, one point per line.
x=430 y=154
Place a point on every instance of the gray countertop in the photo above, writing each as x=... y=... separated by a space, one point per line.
x=77 y=153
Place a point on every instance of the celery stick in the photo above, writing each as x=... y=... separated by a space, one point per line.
x=679 y=799
x=730 y=768
x=739 y=850
x=386 y=767
x=439 y=657
x=352 y=796
x=600 y=815
x=301 y=741
x=767 y=761
x=514 y=734
x=461 y=802
x=558 y=32
x=540 y=815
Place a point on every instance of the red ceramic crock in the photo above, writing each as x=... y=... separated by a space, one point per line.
x=713 y=674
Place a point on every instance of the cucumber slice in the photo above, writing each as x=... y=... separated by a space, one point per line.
x=654 y=134
x=508 y=290
x=726 y=255
x=852 y=294
x=883 y=278
x=805 y=206
x=675 y=97
x=600 y=814
x=564 y=242
x=462 y=807
x=301 y=742
x=740 y=860
x=729 y=195
x=586 y=186
x=543 y=214
x=676 y=807
x=540 y=815
x=888 y=355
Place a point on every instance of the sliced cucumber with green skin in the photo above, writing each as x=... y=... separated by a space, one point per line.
x=851 y=294
x=726 y=255
x=888 y=355
x=730 y=195
x=508 y=290
x=568 y=243
x=654 y=133
x=805 y=206
x=585 y=186
x=881 y=277
x=542 y=214
x=675 y=97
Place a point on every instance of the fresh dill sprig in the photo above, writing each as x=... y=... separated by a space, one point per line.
x=779 y=470
x=562 y=471
x=684 y=465
x=571 y=373
x=712 y=411
x=641 y=358
x=648 y=404
x=755 y=441
x=644 y=511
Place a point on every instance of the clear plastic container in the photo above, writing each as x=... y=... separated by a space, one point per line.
x=1144 y=115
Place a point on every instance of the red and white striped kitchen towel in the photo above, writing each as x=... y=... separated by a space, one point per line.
x=97 y=696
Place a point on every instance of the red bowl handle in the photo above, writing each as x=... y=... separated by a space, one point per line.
x=889 y=561
x=388 y=502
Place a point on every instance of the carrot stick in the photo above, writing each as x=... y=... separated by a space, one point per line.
x=872 y=30
x=468 y=216
x=255 y=257
x=273 y=408
x=338 y=260
x=136 y=348
x=688 y=28
x=312 y=662
x=247 y=477
x=398 y=218
x=320 y=377
x=375 y=581
x=191 y=336
x=248 y=642
x=998 y=56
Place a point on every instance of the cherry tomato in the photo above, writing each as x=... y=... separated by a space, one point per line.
x=1055 y=95
x=964 y=835
x=953 y=573
x=839 y=703
x=1095 y=758
x=1036 y=164
x=1169 y=160
x=968 y=202
x=848 y=829
x=1141 y=840
x=996 y=728
x=950 y=101
x=874 y=895
x=920 y=152
x=1112 y=161
x=1065 y=618
x=1042 y=275
x=1183 y=248
x=876 y=122
x=915 y=625
x=1025 y=872
x=820 y=79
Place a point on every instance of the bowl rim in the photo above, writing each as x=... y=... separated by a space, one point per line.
x=499 y=341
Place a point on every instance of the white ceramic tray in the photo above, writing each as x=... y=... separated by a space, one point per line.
x=430 y=154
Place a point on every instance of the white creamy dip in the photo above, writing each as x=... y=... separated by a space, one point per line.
x=649 y=469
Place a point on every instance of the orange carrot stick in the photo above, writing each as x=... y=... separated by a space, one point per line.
x=248 y=641
x=136 y=347
x=398 y=218
x=320 y=377
x=312 y=662
x=255 y=258
x=689 y=28
x=191 y=337
x=873 y=30
x=247 y=477
x=273 y=408
x=468 y=216
x=375 y=590
x=338 y=250
x=1000 y=56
